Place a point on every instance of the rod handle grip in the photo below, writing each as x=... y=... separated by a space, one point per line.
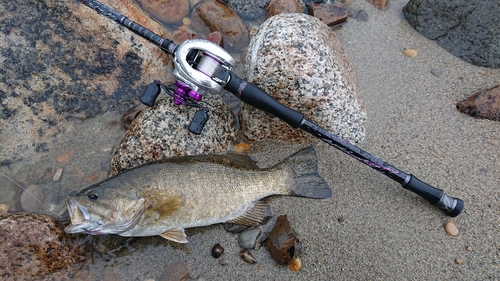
x=256 y=97
x=450 y=205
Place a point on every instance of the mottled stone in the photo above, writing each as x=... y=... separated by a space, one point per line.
x=283 y=243
x=469 y=29
x=249 y=9
x=219 y=17
x=161 y=131
x=330 y=14
x=166 y=11
x=299 y=61
x=34 y=246
x=61 y=60
x=484 y=104
x=284 y=6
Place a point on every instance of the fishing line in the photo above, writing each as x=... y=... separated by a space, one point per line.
x=26 y=190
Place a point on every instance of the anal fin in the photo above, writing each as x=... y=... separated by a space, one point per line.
x=176 y=235
x=259 y=214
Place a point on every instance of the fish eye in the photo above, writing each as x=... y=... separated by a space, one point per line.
x=93 y=196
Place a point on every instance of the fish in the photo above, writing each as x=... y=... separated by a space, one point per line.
x=167 y=196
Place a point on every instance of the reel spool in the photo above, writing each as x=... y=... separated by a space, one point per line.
x=198 y=67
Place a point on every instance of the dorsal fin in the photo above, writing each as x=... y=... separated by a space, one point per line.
x=176 y=235
x=230 y=159
x=259 y=214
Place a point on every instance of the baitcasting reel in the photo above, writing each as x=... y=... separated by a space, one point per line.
x=200 y=66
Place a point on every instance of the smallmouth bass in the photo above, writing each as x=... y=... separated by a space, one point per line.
x=167 y=196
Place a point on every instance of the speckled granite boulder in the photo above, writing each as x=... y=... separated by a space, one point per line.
x=299 y=61
x=161 y=131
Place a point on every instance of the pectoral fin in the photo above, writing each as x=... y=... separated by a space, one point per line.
x=169 y=206
x=176 y=235
x=259 y=214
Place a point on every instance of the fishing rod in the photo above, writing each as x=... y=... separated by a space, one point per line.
x=202 y=66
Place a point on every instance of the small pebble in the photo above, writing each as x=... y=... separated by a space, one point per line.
x=362 y=16
x=468 y=248
x=4 y=208
x=57 y=174
x=217 y=250
x=93 y=177
x=295 y=265
x=247 y=256
x=31 y=198
x=175 y=272
x=253 y=31
x=341 y=219
x=222 y=262
x=241 y=147
x=248 y=238
x=186 y=21
x=411 y=53
x=458 y=261
x=436 y=72
x=64 y=158
x=451 y=229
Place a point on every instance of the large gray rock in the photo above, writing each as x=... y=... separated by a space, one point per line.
x=161 y=132
x=299 y=61
x=469 y=29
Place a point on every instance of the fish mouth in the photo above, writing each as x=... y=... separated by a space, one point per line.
x=80 y=218
x=77 y=212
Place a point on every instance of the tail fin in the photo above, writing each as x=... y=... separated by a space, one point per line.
x=307 y=182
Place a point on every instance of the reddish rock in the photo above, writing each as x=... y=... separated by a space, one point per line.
x=380 y=4
x=284 y=6
x=93 y=177
x=182 y=34
x=166 y=11
x=215 y=37
x=330 y=14
x=65 y=157
x=283 y=243
x=484 y=104
x=219 y=17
